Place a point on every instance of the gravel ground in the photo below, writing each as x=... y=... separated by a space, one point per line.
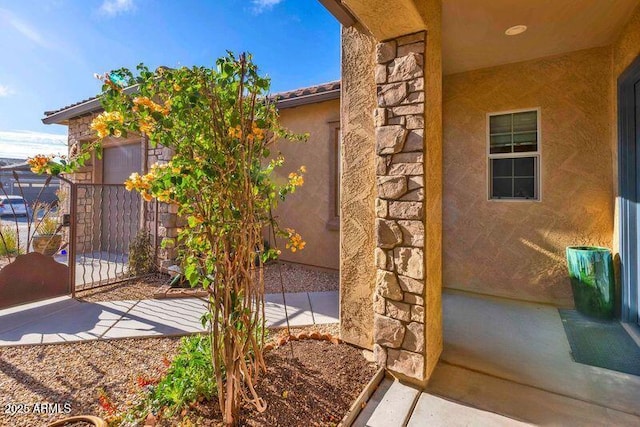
x=73 y=373
x=299 y=278
x=296 y=278
x=142 y=288
x=308 y=382
x=313 y=387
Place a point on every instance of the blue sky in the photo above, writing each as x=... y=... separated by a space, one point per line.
x=50 y=49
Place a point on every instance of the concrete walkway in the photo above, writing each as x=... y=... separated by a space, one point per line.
x=64 y=319
x=506 y=363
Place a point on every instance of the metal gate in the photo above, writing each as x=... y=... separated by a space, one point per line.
x=104 y=219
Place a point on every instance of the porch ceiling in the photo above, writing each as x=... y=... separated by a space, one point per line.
x=473 y=30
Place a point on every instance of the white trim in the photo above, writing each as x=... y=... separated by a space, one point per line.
x=537 y=154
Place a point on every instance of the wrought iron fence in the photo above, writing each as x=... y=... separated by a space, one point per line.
x=104 y=219
x=92 y=228
x=30 y=237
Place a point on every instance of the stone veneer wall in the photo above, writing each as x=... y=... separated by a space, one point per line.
x=79 y=131
x=168 y=221
x=399 y=334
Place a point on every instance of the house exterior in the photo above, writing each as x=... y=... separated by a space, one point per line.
x=32 y=187
x=315 y=110
x=471 y=158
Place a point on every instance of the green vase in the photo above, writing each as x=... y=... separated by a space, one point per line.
x=592 y=280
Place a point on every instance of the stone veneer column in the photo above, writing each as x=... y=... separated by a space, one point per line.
x=168 y=220
x=399 y=334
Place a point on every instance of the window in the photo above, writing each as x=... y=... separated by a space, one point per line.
x=514 y=155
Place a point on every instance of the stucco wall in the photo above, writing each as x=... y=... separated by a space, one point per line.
x=516 y=248
x=310 y=209
x=431 y=12
x=357 y=243
x=627 y=47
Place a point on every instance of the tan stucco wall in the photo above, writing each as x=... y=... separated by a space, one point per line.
x=516 y=249
x=431 y=12
x=627 y=47
x=385 y=19
x=357 y=242
x=310 y=209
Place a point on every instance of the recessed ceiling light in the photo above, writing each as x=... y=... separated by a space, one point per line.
x=515 y=30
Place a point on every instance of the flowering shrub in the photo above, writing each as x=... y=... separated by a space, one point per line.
x=220 y=125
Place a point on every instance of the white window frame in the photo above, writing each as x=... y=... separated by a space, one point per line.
x=537 y=154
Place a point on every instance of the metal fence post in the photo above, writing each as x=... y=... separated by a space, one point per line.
x=72 y=237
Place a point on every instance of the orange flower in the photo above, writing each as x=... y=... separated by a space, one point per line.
x=295 y=179
x=295 y=242
x=39 y=163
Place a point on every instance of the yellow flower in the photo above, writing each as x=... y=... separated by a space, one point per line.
x=295 y=242
x=149 y=104
x=295 y=179
x=256 y=132
x=235 y=132
x=146 y=125
x=303 y=169
x=104 y=121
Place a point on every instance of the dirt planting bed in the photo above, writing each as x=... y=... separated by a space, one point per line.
x=308 y=382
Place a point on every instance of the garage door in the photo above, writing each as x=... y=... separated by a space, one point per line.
x=120 y=208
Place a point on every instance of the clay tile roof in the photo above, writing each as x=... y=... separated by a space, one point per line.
x=306 y=91
x=288 y=99
x=52 y=112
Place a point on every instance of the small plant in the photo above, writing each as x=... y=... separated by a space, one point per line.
x=189 y=378
x=141 y=254
x=47 y=227
x=8 y=241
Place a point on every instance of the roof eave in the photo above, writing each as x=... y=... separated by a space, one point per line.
x=93 y=105
x=308 y=99
x=60 y=117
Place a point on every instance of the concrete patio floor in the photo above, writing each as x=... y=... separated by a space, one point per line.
x=64 y=319
x=506 y=363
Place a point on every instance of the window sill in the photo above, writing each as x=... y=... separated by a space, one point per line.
x=333 y=224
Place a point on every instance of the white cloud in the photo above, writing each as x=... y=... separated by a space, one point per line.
x=24 y=28
x=116 y=7
x=260 y=6
x=21 y=144
x=6 y=91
